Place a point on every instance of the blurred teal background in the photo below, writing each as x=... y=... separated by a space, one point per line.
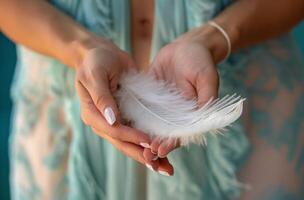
x=7 y=64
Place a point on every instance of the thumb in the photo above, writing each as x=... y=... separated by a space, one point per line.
x=206 y=88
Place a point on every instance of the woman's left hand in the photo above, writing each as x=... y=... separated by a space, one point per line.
x=188 y=63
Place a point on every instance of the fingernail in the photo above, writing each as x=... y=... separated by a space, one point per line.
x=164 y=173
x=145 y=145
x=155 y=158
x=150 y=167
x=109 y=115
x=162 y=156
x=153 y=152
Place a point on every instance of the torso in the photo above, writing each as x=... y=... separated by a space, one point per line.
x=142 y=19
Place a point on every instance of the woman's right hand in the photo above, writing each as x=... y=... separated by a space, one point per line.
x=97 y=79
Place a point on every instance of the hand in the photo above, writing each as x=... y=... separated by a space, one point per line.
x=96 y=80
x=189 y=64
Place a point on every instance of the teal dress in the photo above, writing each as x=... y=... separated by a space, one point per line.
x=54 y=155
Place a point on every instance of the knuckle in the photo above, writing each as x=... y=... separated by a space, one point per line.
x=81 y=75
x=87 y=105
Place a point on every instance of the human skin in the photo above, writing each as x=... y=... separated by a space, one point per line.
x=246 y=22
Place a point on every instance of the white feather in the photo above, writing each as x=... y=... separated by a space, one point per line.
x=158 y=108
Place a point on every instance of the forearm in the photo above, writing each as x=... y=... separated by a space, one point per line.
x=248 y=22
x=39 y=26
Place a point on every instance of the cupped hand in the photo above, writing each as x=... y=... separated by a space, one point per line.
x=188 y=63
x=97 y=79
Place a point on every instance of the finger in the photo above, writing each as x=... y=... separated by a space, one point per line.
x=86 y=103
x=129 y=134
x=167 y=146
x=91 y=116
x=154 y=145
x=157 y=72
x=113 y=83
x=149 y=157
x=150 y=162
x=131 y=150
x=187 y=89
x=120 y=131
x=98 y=86
x=165 y=168
x=161 y=165
x=135 y=152
x=130 y=62
x=156 y=69
x=206 y=88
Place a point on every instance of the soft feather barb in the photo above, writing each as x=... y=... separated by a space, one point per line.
x=159 y=109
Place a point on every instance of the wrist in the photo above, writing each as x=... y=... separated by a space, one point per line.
x=78 y=49
x=216 y=42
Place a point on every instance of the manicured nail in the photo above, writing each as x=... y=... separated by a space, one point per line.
x=109 y=115
x=145 y=145
x=150 y=167
x=164 y=173
x=155 y=158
